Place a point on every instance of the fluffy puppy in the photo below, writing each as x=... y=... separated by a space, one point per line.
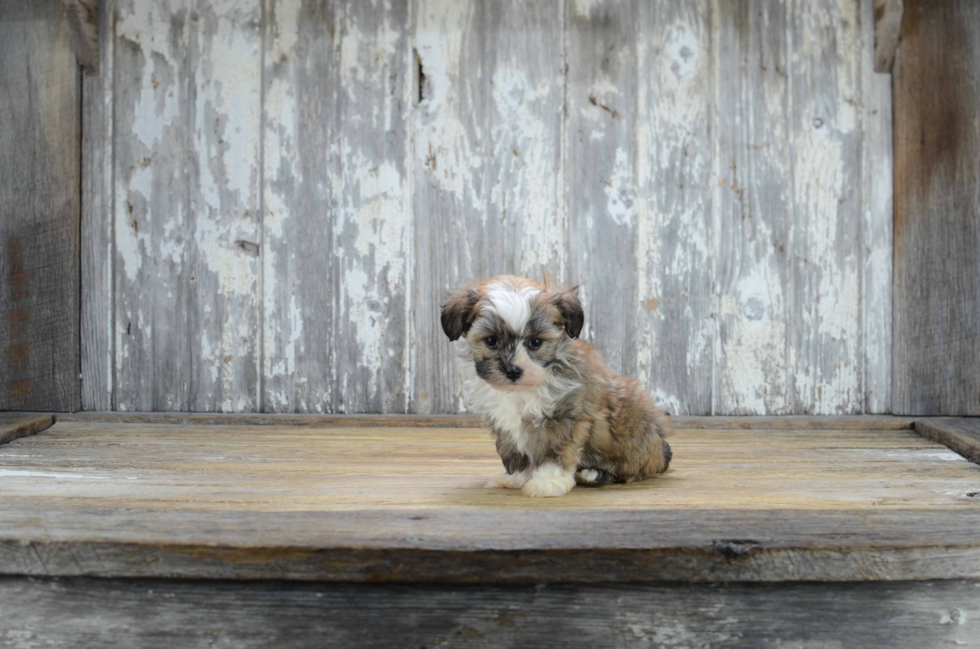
x=557 y=413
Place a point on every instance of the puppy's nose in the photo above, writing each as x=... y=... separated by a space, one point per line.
x=514 y=373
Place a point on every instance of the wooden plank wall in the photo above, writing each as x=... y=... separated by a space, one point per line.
x=296 y=183
x=39 y=208
x=937 y=210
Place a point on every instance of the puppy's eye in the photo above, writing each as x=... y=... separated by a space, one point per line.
x=534 y=343
x=491 y=341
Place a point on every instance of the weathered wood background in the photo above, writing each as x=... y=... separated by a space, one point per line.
x=40 y=138
x=288 y=187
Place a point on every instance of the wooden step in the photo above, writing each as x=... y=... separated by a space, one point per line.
x=797 y=499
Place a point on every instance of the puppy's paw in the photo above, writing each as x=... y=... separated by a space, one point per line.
x=587 y=476
x=507 y=481
x=549 y=481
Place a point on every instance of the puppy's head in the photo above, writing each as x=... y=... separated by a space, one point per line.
x=515 y=328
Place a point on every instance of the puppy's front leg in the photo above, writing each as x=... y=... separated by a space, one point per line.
x=555 y=476
x=517 y=465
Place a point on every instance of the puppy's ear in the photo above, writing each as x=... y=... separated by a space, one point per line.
x=459 y=311
x=571 y=311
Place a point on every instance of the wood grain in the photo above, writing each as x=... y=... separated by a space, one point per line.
x=167 y=613
x=337 y=259
x=39 y=208
x=83 y=22
x=887 y=29
x=664 y=155
x=404 y=504
x=958 y=433
x=753 y=251
x=796 y=422
x=187 y=114
x=877 y=211
x=487 y=163
x=602 y=193
x=937 y=211
x=22 y=427
x=675 y=303
x=97 y=282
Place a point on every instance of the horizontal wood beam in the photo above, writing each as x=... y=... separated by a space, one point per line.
x=795 y=422
x=201 y=614
x=960 y=434
x=471 y=545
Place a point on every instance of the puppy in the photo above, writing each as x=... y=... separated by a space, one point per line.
x=557 y=413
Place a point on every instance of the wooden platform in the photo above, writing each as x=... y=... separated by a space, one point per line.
x=799 y=499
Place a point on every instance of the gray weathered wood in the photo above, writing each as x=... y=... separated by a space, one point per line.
x=824 y=323
x=802 y=422
x=753 y=249
x=187 y=114
x=710 y=172
x=337 y=257
x=675 y=228
x=386 y=503
x=601 y=175
x=487 y=163
x=39 y=208
x=166 y=613
x=97 y=317
x=937 y=210
x=83 y=22
x=888 y=27
x=960 y=434
x=9 y=431
x=877 y=213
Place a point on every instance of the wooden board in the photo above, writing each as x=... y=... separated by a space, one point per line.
x=165 y=613
x=39 y=208
x=97 y=282
x=876 y=228
x=487 y=125
x=336 y=259
x=186 y=149
x=15 y=428
x=937 y=211
x=801 y=422
x=732 y=254
x=385 y=503
x=960 y=434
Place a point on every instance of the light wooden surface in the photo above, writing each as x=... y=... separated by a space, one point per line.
x=388 y=503
x=296 y=184
x=39 y=208
x=205 y=614
x=937 y=210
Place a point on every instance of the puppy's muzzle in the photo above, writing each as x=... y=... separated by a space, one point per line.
x=512 y=372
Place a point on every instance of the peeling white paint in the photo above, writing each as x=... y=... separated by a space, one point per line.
x=484 y=155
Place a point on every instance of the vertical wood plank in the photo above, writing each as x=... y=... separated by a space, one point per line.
x=876 y=233
x=937 y=210
x=753 y=366
x=824 y=323
x=675 y=223
x=187 y=123
x=39 y=208
x=97 y=319
x=337 y=272
x=601 y=153
x=488 y=194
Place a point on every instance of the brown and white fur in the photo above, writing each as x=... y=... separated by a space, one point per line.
x=557 y=413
